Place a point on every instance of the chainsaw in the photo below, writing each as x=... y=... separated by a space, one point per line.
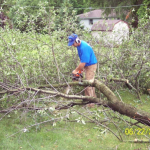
x=74 y=77
x=78 y=76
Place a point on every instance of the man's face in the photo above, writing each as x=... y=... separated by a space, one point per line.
x=75 y=44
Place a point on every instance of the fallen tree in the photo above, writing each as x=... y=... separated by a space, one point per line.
x=112 y=101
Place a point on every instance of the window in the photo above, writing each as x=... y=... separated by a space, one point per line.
x=91 y=21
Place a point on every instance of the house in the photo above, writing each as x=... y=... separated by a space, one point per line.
x=111 y=31
x=108 y=27
x=89 y=18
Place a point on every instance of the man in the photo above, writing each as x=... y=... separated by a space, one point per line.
x=88 y=61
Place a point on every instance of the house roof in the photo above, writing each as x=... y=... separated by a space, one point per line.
x=96 y=14
x=105 y=25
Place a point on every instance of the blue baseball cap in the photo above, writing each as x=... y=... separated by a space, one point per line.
x=71 y=39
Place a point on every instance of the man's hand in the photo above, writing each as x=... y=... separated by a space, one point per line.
x=74 y=72
x=80 y=67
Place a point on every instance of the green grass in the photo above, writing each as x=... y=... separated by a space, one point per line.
x=131 y=98
x=69 y=135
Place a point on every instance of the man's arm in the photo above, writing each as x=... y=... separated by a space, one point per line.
x=80 y=67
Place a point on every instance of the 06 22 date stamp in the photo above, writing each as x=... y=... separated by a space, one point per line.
x=137 y=131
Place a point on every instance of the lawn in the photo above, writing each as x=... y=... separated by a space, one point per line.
x=20 y=130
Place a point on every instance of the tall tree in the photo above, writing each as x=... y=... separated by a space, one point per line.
x=25 y=13
x=65 y=11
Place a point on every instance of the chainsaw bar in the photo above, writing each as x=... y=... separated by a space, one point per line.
x=76 y=77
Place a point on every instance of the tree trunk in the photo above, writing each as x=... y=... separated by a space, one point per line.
x=112 y=101
x=122 y=108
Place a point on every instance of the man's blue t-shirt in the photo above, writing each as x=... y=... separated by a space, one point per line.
x=86 y=54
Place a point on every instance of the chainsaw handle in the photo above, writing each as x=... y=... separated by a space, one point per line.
x=78 y=75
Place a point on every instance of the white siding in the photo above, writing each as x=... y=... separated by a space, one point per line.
x=86 y=23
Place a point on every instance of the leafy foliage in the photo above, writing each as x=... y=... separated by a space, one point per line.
x=144 y=9
x=34 y=59
x=126 y=10
x=26 y=13
x=39 y=14
x=64 y=20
